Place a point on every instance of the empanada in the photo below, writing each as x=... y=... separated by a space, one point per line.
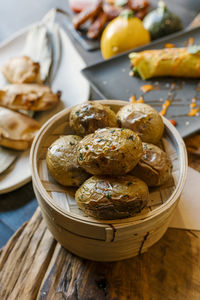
x=33 y=97
x=22 y=70
x=17 y=130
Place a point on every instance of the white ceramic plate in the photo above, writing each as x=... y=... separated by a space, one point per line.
x=75 y=89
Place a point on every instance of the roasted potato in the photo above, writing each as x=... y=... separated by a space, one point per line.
x=143 y=119
x=62 y=161
x=110 y=151
x=112 y=198
x=154 y=167
x=85 y=118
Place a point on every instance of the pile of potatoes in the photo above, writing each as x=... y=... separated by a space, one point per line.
x=112 y=158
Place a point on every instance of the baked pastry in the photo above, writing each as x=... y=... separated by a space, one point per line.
x=175 y=62
x=33 y=97
x=21 y=70
x=17 y=130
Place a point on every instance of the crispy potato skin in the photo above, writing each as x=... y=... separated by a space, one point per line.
x=87 y=117
x=112 y=198
x=143 y=119
x=62 y=161
x=110 y=151
x=154 y=167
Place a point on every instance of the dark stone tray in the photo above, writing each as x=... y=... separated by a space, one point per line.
x=111 y=80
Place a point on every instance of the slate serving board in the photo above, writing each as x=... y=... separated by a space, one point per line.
x=111 y=80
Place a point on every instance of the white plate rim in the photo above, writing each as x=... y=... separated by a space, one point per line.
x=5 y=43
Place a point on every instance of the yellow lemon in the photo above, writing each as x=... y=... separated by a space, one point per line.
x=123 y=33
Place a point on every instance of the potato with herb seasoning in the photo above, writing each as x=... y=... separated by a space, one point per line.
x=62 y=161
x=143 y=119
x=112 y=198
x=110 y=151
x=154 y=167
x=85 y=118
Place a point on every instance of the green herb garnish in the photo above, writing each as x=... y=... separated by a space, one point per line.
x=132 y=138
x=108 y=196
x=125 y=196
x=135 y=71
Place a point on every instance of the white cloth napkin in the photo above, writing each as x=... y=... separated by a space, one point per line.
x=187 y=214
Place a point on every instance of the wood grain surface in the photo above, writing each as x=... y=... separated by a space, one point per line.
x=34 y=266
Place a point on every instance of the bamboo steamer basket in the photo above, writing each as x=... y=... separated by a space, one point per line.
x=103 y=240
